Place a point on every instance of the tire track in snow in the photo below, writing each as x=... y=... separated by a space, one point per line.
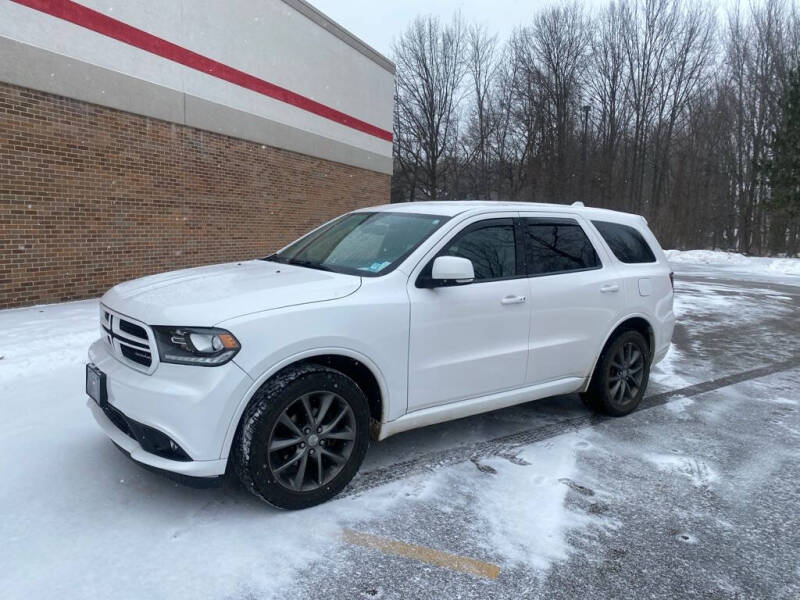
x=507 y=445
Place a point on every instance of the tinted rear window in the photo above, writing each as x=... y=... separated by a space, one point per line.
x=557 y=246
x=625 y=242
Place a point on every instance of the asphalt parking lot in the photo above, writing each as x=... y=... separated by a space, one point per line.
x=695 y=494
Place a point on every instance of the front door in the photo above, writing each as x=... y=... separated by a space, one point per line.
x=470 y=340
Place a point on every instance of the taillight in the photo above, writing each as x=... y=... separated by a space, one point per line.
x=672 y=280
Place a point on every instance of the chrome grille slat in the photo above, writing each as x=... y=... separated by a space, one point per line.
x=132 y=344
x=132 y=330
x=129 y=338
x=137 y=352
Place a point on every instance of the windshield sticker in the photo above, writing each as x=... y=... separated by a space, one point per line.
x=377 y=266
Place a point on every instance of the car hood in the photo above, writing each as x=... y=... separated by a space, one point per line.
x=205 y=296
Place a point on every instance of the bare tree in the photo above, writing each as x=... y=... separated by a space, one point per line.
x=553 y=54
x=648 y=27
x=430 y=70
x=756 y=57
x=482 y=67
x=512 y=137
x=607 y=88
x=688 y=59
x=657 y=106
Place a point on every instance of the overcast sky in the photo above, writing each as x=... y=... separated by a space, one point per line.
x=379 y=22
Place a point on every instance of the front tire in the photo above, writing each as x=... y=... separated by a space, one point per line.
x=621 y=376
x=303 y=437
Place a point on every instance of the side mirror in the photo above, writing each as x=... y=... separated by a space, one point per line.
x=452 y=268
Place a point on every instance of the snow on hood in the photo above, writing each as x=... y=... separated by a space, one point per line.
x=204 y=296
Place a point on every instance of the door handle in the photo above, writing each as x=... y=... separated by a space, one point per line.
x=513 y=300
x=610 y=288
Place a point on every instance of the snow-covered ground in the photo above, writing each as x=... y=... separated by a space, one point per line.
x=80 y=520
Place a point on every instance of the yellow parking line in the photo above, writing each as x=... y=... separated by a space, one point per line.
x=422 y=554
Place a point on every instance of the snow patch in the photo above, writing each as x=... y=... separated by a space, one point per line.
x=666 y=372
x=41 y=338
x=678 y=407
x=697 y=470
x=525 y=505
x=780 y=400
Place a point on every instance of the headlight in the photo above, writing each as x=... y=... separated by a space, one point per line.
x=202 y=346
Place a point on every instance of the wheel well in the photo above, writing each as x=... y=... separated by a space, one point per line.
x=636 y=324
x=355 y=370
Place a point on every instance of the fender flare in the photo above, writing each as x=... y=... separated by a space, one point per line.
x=611 y=331
x=233 y=425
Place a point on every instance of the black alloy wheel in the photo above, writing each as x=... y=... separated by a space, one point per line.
x=621 y=375
x=311 y=441
x=303 y=436
x=625 y=376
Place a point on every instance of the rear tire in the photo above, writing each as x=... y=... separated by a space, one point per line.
x=302 y=438
x=621 y=375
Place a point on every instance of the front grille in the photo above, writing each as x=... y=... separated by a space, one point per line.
x=130 y=341
x=132 y=329
x=142 y=357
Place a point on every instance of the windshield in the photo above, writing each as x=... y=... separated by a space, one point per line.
x=361 y=243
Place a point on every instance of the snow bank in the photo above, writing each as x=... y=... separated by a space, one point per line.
x=706 y=257
x=735 y=261
x=786 y=266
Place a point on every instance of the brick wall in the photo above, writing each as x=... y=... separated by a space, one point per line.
x=91 y=196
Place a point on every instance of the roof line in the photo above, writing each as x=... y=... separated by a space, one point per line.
x=324 y=21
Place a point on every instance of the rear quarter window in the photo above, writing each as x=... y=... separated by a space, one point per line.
x=625 y=242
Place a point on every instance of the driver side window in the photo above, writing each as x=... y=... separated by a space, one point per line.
x=491 y=247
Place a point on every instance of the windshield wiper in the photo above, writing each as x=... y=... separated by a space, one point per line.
x=308 y=264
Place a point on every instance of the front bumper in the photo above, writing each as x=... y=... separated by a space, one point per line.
x=194 y=406
x=199 y=468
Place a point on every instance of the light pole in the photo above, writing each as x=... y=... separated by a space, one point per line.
x=586 y=109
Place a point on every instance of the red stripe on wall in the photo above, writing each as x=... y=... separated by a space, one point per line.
x=105 y=25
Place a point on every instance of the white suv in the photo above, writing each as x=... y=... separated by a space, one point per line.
x=382 y=320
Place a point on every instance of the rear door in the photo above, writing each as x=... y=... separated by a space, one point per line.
x=646 y=274
x=576 y=295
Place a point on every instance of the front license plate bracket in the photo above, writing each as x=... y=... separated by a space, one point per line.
x=96 y=385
